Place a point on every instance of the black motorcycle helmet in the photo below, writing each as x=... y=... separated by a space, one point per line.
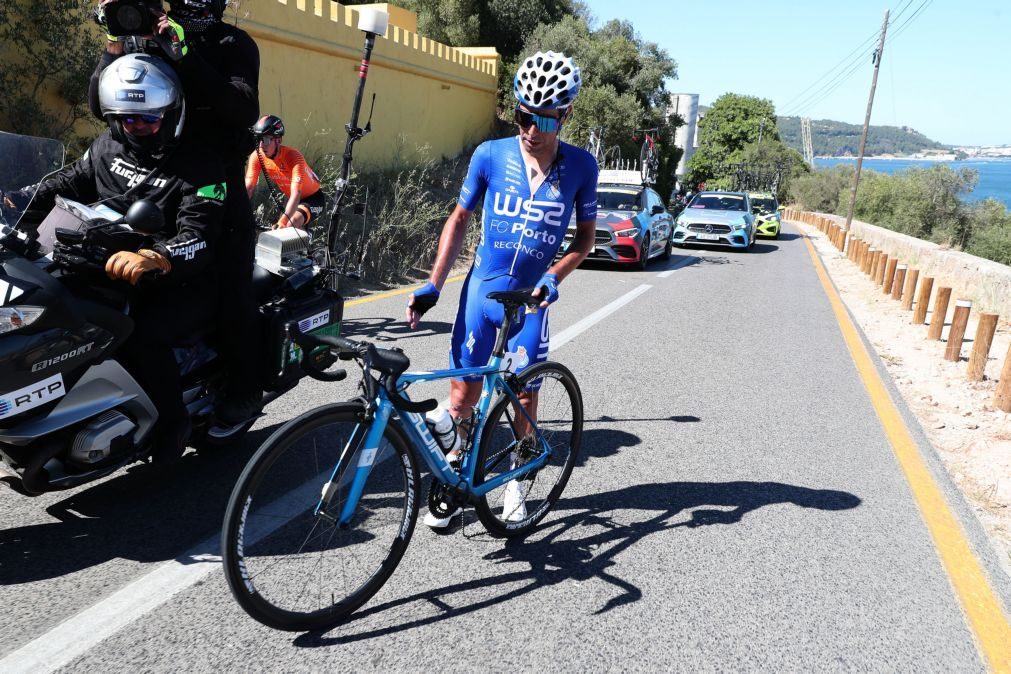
x=141 y=84
x=196 y=15
x=268 y=125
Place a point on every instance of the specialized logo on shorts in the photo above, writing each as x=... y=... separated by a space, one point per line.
x=186 y=251
x=313 y=322
x=31 y=396
x=134 y=175
x=471 y=342
x=548 y=212
x=217 y=192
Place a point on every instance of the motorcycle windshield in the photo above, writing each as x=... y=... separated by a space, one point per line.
x=26 y=161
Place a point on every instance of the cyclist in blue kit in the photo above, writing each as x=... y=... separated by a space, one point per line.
x=530 y=185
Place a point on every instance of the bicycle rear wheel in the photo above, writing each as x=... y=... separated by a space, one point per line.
x=507 y=442
x=293 y=570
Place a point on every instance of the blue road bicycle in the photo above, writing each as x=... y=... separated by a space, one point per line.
x=325 y=509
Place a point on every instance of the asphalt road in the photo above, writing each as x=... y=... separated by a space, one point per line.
x=737 y=507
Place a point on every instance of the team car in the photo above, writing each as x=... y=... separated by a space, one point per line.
x=716 y=219
x=766 y=209
x=633 y=226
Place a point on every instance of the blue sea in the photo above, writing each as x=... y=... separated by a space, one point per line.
x=994 y=174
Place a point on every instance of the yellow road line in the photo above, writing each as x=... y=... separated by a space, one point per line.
x=394 y=293
x=980 y=603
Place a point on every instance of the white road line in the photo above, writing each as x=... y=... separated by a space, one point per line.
x=559 y=340
x=74 y=637
x=683 y=263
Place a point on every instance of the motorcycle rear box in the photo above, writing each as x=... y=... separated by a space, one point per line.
x=318 y=314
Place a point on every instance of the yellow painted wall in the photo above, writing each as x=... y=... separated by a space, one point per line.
x=427 y=94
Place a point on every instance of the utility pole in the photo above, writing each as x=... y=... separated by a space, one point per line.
x=805 y=134
x=867 y=122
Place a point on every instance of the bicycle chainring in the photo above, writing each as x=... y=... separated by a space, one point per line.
x=442 y=501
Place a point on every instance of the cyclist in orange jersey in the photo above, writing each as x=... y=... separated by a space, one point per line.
x=286 y=168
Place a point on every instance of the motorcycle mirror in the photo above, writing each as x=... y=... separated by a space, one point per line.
x=145 y=216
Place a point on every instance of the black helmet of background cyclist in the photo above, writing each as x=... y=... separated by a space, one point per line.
x=268 y=125
x=141 y=84
x=195 y=16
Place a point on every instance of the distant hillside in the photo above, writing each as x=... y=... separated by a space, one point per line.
x=839 y=139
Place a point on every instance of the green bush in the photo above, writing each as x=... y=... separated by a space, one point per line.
x=922 y=202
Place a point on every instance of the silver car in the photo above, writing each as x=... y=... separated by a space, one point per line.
x=716 y=219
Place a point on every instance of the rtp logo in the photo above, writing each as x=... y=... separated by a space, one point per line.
x=313 y=322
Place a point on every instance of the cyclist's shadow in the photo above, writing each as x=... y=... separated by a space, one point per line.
x=560 y=553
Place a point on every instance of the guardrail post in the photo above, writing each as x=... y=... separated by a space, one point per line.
x=940 y=312
x=879 y=279
x=923 y=300
x=886 y=281
x=843 y=235
x=869 y=258
x=1002 y=398
x=957 y=332
x=910 y=289
x=981 y=346
x=899 y=281
x=875 y=263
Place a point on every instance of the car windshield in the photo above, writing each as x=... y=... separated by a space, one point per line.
x=764 y=204
x=618 y=200
x=719 y=202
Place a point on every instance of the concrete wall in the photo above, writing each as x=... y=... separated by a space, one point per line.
x=986 y=283
x=426 y=93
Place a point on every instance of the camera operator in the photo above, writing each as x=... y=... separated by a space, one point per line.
x=219 y=67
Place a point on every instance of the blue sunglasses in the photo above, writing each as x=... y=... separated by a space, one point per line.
x=147 y=119
x=544 y=124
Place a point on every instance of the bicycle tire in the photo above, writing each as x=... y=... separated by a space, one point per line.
x=267 y=506
x=499 y=441
x=644 y=161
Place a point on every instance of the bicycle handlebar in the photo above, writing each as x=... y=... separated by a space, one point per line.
x=390 y=362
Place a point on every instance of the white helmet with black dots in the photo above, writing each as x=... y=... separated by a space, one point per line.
x=547 y=80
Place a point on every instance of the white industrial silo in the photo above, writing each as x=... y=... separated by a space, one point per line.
x=687 y=107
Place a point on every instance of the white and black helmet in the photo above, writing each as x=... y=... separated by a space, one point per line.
x=547 y=80
x=141 y=84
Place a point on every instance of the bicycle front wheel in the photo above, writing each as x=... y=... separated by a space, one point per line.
x=508 y=441
x=292 y=569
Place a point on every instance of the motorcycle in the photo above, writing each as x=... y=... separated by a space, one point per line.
x=69 y=412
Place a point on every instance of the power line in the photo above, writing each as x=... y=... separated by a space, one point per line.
x=905 y=25
x=830 y=87
x=831 y=70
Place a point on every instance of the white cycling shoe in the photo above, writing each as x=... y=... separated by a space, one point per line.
x=514 y=505
x=435 y=522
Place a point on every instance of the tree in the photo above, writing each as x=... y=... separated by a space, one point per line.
x=731 y=124
x=47 y=53
x=775 y=153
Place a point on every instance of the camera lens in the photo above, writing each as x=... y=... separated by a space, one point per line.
x=129 y=17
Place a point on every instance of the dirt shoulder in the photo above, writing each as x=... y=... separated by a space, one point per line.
x=972 y=438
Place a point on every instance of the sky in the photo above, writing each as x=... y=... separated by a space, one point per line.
x=945 y=71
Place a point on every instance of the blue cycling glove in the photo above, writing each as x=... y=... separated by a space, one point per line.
x=425 y=298
x=549 y=283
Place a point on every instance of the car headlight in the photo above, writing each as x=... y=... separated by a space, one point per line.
x=633 y=232
x=17 y=317
x=741 y=225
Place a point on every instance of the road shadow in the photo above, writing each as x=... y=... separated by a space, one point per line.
x=141 y=514
x=585 y=543
x=382 y=329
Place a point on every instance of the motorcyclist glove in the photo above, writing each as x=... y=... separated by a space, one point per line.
x=173 y=41
x=129 y=266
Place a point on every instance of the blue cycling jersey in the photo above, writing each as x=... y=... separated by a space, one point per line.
x=520 y=231
x=520 y=234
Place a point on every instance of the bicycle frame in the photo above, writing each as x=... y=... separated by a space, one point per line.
x=422 y=442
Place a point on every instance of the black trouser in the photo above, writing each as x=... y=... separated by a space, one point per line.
x=164 y=318
x=238 y=318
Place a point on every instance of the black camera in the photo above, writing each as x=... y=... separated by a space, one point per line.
x=130 y=17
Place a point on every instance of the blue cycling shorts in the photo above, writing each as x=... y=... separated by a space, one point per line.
x=478 y=320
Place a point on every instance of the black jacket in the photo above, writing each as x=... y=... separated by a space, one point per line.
x=188 y=185
x=220 y=76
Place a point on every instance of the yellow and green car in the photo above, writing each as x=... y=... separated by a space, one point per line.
x=766 y=210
